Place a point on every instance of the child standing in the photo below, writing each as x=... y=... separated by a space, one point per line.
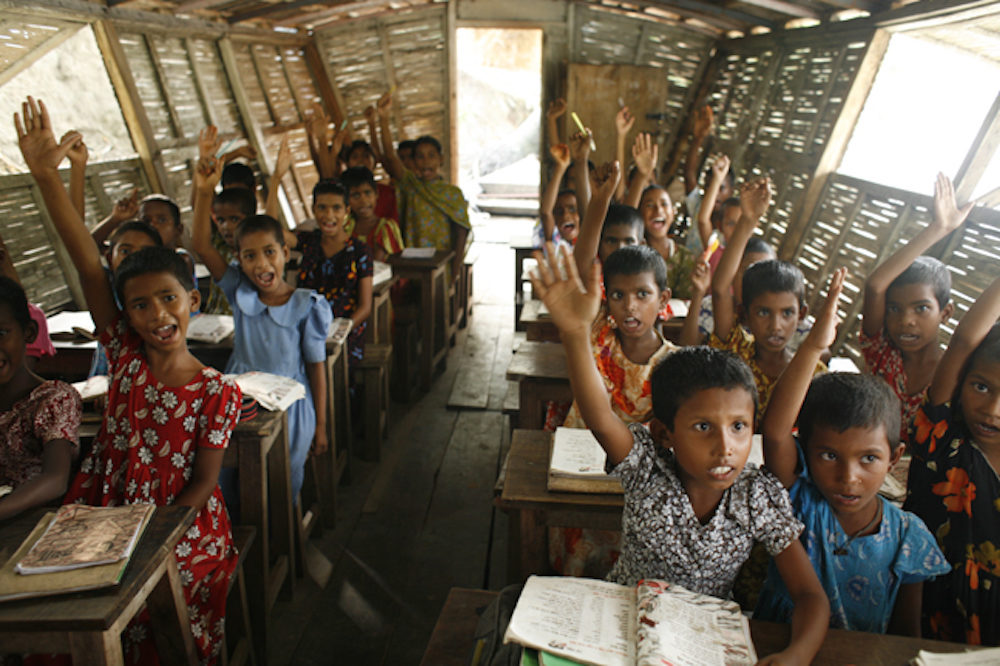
x=692 y=509
x=560 y=216
x=657 y=217
x=381 y=234
x=871 y=557
x=906 y=301
x=279 y=329
x=953 y=479
x=169 y=418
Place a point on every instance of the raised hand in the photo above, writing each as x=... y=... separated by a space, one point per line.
x=755 y=197
x=624 y=121
x=645 y=152
x=605 y=180
x=703 y=121
x=36 y=140
x=947 y=215
x=560 y=153
x=824 y=331
x=720 y=166
x=572 y=305
x=579 y=145
x=208 y=174
x=385 y=105
x=78 y=152
x=557 y=107
x=208 y=142
x=126 y=208
x=284 y=160
x=701 y=279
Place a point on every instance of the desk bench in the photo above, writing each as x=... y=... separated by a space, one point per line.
x=542 y=375
x=435 y=319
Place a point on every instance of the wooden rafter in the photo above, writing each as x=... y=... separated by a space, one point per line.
x=712 y=13
x=782 y=7
x=276 y=8
x=979 y=156
x=32 y=56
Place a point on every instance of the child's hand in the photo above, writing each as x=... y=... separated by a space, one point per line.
x=579 y=146
x=605 y=180
x=320 y=442
x=208 y=174
x=385 y=105
x=624 y=121
x=208 y=142
x=720 y=166
x=36 y=140
x=557 y=108
x=645 y=152
x=317 y=122
x=947 y=215
x=824 y=331
x=703 y=120
x=246 y=151
x=755 y=197
x=701 y=278
x=126 y=208
x=560 y=153
x=284 y=160
x=78 y=153
x=371 y=115
x=572 y=306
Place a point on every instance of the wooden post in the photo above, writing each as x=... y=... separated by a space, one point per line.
x=161 y=75
x=452 y=55
x=332 y=99
x=62 y=255
x=199 y=81
x=254 y=133
x=979 y=156
x=131 y=105
x=836 y=144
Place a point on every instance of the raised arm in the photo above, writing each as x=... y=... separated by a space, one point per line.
x=701 y=285
x=390 y=158
x=371 y=117
x=623 y=125
x=573 y=307
x=560 y=153
x=77 y=174
x=701 y=128
x=556 y=108
x=645 y=152
x=125 y=209
x=42 y=155
x=780 y=453
x=720 y=167
x=206 y=177
x=587 y=241
x=579 y=172
x=755 y=197
x=281 y=166
x=947 y=217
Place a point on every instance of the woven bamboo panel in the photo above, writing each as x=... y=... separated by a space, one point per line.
x=259 y=107
x=148 y=85
x=179 y=80
x=275 y=85
x=223 y=109
x=19 y=37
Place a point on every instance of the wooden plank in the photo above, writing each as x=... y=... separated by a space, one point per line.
x=62 y=255
x=254 y=134
x=28 y=59
x=452 y=90
x=978 y=158
x=332 y=100
x=476 y=363
x=161 y=76
x=199 y=81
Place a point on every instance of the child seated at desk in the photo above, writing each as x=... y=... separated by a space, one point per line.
x=381 y=234
x=41 y=346
x=693 y=509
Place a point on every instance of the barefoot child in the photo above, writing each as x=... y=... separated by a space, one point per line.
x=871 y=557
x=692 y=509
x=169 y=418
x=953 y=480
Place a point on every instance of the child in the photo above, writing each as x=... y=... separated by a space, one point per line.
x=364 y=154
x=955 y=443
x=692 y=511
x=772 y=295
x=169 y=418
x=229 y=208
x=724 y=223
x=335 y=264
x=41 y=346
x=405 y=151
x=657 y=217
x=606 y=227
x=279 y=329
x=870 y=556
x=381 y=234
x=906 y=301
x=560 y=216
x=39 y=419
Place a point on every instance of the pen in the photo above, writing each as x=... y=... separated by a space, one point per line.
x=576 y=119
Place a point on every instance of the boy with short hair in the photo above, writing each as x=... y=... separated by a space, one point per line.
x=365 y=224
x=906 y=301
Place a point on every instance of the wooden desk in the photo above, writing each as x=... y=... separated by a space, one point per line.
x=541 y=372
x=538 y=327
x=453 y=642
x=334 y=464
x=379 y=329
x=88 y=625
x=435 y=320
x=71 y=362
x=523 y=250
x=532 y=508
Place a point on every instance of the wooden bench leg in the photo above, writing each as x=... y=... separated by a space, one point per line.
x=101 y=648
x=168 y=612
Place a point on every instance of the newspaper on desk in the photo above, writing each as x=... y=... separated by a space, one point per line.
x=273 y=392
x=210 y=328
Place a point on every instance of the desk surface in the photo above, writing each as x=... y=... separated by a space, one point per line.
x=538 y=360
x=397 y=261
x=95 y=610
x=453 y=640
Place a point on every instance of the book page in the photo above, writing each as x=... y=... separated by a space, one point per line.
x=590 y=621
x=679 y=307
x=273 y=392
x=92 y=387
x=339 y=330
x=683 y=628
x=972 y=658
x=418 y=253
x=210 y=328
x=576 y=452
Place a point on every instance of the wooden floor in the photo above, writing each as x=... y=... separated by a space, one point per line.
x=421 y=521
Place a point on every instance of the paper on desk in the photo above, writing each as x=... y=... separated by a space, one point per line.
x=339 y=329
x=418 y=253
x=273 y=392
x=381 y=272
x=679 y=307
x=210 y=328
x=94 y=387
x=987 y=657
x=843 y=364
x=65 y=322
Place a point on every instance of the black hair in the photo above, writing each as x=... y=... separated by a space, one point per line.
x=729 y=178
x=329 y=186
x=239 y=174
x=135 y=225
x=682 y=374
x=620 y=215
x=635 y=259
x=843 y=400
x=930 y=271
x=409 y=144
x=731 y=202
x=988 y=350
x=243 y=199
x=652 y=188
x=256 y=223
x=427 y=139
x=757 y=245
x=358 y=144
x=356 y=177
x=772 y=276
x=175 y=211
x=152 y=260
x=566 y=190
x=12 y=295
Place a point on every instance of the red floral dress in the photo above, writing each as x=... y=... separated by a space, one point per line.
x=883 y=359
x=144 y=454
x=956 y=492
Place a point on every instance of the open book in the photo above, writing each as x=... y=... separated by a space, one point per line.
x=339 y=330
x=418 y=252
x=604 y=624
x=273 y=392
x=92 y=387
x=210 y=328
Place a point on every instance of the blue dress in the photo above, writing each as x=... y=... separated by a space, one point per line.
x=281 y=340
x=863 y=584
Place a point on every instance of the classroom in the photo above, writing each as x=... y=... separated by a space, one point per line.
x=256 y=261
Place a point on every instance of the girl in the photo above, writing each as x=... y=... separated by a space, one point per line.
x=955 y=443
x=168 y=419
x=657 y=215
x=381 y=234
x=39 y=419
x=41 y=346
x=279 y=329
x=692 y=512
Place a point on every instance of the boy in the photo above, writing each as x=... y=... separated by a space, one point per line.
x=405 y=151
x=906 y=301
x=365 y=224
x=229 y=208
x=772 y=301
x=560 y=216
x=870 y=556
x=606 y=226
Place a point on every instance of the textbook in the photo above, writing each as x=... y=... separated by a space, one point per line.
x=93 y=387
x=210 y=328
x=339 y=330
x=381 y=272
x=588 y=621
x=983 y=657
x=418 y=253
x=273 y=392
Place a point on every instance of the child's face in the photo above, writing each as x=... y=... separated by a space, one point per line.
x=634 y=301
x=912 y=316
x=227 y=216
x=613 y=238
x=362 y=200
x=749 y=260
x=711 y=438
x=126 y=244
x=360 y=157
x=849 y=467
x=13 y=338
x=406 y=157
x=262 y=258
x=567 y=217
x=657 y=213
x=330 y=213
x=426 y=161
x=159 y=308
x=157 y=215
x=772 y=318
x=728 y=218
x=980 y=397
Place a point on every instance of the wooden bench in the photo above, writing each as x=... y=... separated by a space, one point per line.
x=333 y=467
x=374 y=370
x=523 y=250
x=379 y=328
x=541 y=372
x=239 y=646
x=536 y=324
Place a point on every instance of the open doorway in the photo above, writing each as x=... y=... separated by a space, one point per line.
x=499 y=118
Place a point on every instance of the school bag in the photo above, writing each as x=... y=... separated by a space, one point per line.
x=490 y=650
